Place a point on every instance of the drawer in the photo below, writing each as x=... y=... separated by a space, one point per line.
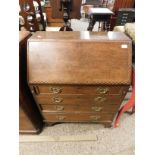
x=63 y=89
x=72 y=117
x=79 y=108
x=78 y=99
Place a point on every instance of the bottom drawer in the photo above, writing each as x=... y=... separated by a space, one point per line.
x=77 y=117
x=80 y=108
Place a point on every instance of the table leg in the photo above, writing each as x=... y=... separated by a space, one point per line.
x=91 y=24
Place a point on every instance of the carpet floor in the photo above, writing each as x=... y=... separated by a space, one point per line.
x=113 y=141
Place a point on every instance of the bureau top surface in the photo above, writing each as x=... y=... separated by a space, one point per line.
x=79 y=58
x=77 y=36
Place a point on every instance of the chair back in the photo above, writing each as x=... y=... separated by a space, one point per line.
x=32 y=15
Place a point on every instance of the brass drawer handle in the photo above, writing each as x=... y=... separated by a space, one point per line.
x=102 y=90
x=95 y=118
x=57 y=99
x=60 y=108
x=61 y=118
x=97 y=109
x=55 y=90
x=99 y=99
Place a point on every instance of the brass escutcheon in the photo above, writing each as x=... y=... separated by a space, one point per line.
x=57 y=99
x=59 y=108
x=95 y=118
x=55 y=90
x=99 y=99
x=102 y=90
x=97 y=109
x=61 y=118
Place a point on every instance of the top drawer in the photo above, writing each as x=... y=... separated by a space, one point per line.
x=65 y=89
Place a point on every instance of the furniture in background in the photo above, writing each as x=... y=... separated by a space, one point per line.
x=32 y=15
x=54 y=22
x=101 y=15
x=98 y=3
x=87 y=4
x=56 y=6
x=125 y=15
x=118 y=4
x=30 y=120
x=95 y=3
x=114 y=6
x=79 y=76
x=66 y=9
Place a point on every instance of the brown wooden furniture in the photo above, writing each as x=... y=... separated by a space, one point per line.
x=102 y=15
x=30 y=120
x=66 y=9
x=118 y=5
x=75 y=11
x=93 y=2
x=54 y=16
x=50 y=20
x=33 y=19
x=79 y=76
x=125 y=15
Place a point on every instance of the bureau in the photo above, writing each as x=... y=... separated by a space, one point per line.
x=79 y=76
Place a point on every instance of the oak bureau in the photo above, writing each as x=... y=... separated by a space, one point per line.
x=79 y=76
